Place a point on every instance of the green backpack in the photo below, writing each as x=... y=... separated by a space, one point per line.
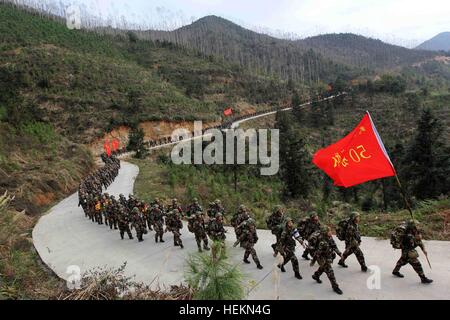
x=397 y=236
x=341 y=229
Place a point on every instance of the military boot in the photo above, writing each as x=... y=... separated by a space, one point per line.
x=246 y=261
x=161 y=239
x=425 y=280
x=305 y=255
x=337 y=289
x=298 y=275
x=342 y=264
x=397 y=274
x=316 y=277
x=156 y=238
x=281 y=266
x=259 y=266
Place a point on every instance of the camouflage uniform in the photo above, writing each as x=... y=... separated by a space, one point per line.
x=238 y=218
x=123 y=222
x=352 y=242
x=198 y=227
x=287 y=248
x=157 y=219
x=138 y=223
x=306 y=228
x=98 y=211
x=248 y=237
x=194 y=208
x=325 y=252
x=112 y=213
x=174 y=225
x=215 y=208
x=410 y=241
x=175 y=206
x=275 y=223
x=216 y=231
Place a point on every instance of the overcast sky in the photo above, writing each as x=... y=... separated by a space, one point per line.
x=404 y=22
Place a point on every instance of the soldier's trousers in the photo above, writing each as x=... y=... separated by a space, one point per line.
x=140 y=234
x=276 y=245
x=250 y=250
x=306 y=252
x=112 y=222
x=149 y=224
x=98 y=218
x=351 y=249
x=177 y=237
x=289 y=255
x=124 y=229
x=159 y=229
x=325 y=266
x=199 y=238
x=414 y=262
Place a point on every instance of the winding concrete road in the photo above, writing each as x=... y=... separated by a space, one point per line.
x=64 y=238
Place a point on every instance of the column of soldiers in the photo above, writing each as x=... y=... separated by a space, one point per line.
x=128 y=214
x=323 y=249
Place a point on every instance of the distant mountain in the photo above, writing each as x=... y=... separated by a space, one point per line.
x=320 y=57
x=438 y=42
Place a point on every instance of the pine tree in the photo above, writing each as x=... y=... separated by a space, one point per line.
x=427 y=163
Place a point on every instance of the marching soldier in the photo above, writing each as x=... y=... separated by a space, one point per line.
x=287 y=245
x=215 y=208
x=175 y=206
x=123 y=222
x=409 y=240
x=353 y=242
x=275 y=223
x=240 y=216
x=193 y=208
x=306 y=228
x=324 y=253
x=138 y=223
x=248 y=238
x=157 y=218
x=198 y=227
x=216 y=231
x=174 y=225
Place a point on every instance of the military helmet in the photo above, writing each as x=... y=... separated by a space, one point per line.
x=313 y=214
x=412 y=223
x=135 y=210
x=217 y=201
x=174 y=200
x=218 y=215
x=354 y=215
x=242 y=207
x=195 y=200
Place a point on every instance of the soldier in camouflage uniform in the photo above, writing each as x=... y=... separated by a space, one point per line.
x=138 y=223
x=287 y=248
x=157 y=219
x=174 y=225
x=240 y=216
x=98 y=211
x=175 y=206
x=198 y=227
x=248 y=237
x=410 y=240
x=275 y=223
x=353 y=241
x=324 y=253
x=193 y=208
x=216 y=231
x=306 y=228
x=123 y=222
x=113 y=210
x=215 y=208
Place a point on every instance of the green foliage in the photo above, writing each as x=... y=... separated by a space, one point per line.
x=136 y=141
x=427 y=162
x=43 y=132
x=213 y=277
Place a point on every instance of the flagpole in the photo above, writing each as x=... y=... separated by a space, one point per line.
x=404 y=196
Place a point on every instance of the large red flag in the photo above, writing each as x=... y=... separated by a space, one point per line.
x=228 y=112
x=107 y=147
x=115 y=144
x=358 y=157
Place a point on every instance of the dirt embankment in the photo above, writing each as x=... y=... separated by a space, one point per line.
x=152 y=130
